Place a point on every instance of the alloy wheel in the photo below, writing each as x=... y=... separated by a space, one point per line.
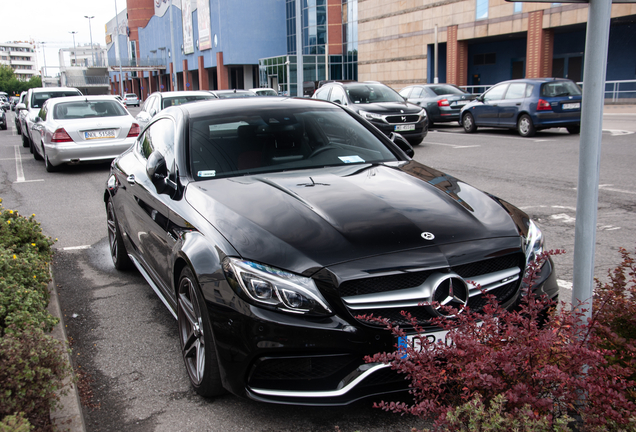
x=191 y=330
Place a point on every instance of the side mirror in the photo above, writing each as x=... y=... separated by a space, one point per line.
x=480 y=98
x=338 y=101
x=153 y=113
x=157 y=172
x=20 y=107
x=402 y=143
x=38 y=119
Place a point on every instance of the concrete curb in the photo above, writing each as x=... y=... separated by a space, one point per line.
x=68 y=415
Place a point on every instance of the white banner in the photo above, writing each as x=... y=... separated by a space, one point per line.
x=188 y=31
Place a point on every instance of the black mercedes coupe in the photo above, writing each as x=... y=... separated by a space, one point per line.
x=269 y=226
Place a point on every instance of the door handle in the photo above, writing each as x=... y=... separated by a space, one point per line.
x=519 y=103
x=131 y=180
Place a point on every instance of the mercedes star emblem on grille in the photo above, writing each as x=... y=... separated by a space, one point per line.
x=450 y=290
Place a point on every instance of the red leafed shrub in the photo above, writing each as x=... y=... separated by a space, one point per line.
x=615 y=316
x=549 y=370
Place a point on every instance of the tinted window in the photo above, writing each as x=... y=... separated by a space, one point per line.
x=371 y=93
x=441 y=90
x=38 y=99
x=180 y=100
x=560 y=88
x=496 y=92
x=516 y=91
x=88 y=109
x=273 y=140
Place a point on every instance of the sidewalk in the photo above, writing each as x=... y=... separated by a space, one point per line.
x=619 y=109
x=68 y=416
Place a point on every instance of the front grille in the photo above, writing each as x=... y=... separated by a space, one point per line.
x=405 y=118
x=300 y=368
x=380 y=284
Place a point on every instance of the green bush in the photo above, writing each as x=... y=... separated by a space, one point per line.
x=24 y=256
x=33 y=366
x=15 y=423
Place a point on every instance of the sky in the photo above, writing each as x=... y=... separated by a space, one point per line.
x=50 y=21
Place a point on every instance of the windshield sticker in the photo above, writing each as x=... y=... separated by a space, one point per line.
x=209 y=173
x=351 y=159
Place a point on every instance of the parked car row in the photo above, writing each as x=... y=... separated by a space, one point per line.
x=525 y=105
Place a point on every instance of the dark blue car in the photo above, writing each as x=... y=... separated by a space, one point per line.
x=527 y=105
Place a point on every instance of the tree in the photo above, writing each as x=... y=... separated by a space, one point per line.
x=12 y=85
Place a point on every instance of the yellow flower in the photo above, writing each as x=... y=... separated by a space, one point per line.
x=15 y=257
x=9 y=222
x=32 y=244
x=34 y=277
x=11 y=211
x=33 y=215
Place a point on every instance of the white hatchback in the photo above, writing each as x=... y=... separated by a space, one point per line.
x=131 y=99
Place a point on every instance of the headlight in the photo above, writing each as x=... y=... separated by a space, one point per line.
x=534 y=242
x=271 y=287
x=371 y=116
x=422 y=113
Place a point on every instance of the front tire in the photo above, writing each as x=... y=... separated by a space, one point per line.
x=25 y=140
x=468 y=122
x=196 y=339
x=574 y=130
x=121 y=260
x=525 y=126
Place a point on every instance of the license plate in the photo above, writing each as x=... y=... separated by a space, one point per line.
x=109 y=133
x=571 y=105
x=415 y=341
x=460 y=103
x=402 y=128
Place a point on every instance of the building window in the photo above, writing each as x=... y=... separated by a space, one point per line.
x=518 y=8
x=481 y=10
x=484 y=59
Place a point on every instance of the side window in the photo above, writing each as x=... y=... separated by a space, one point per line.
x=42 y=113
x=322 y=93
x=405 y=92
x=338 y=96
x=145 y=145
x=495 y=93
x=516 y=91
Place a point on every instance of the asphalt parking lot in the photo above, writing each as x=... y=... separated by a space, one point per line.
x=125 y=342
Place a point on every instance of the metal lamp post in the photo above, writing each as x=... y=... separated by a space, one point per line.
x=91 y=33
x=74 y=49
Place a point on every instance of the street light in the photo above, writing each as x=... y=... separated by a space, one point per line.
x=44 y=55
x=74 y=49
x=91 y=33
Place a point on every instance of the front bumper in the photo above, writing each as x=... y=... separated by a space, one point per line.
x=289 y=359
x=416 y=135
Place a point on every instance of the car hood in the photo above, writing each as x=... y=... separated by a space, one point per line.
x=316 y=218
x=387 y=108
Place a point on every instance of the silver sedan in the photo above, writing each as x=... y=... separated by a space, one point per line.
x=80 y=129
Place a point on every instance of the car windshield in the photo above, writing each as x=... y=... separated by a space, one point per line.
x=372 y=93
x=274 y=140
x=38 y=99
x=228 y=95
x=560 y=88
x=441 y=90
x=88 y=109
x=266 y=93
x=180 y=100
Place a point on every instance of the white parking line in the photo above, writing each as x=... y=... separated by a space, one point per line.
x=76 y=247
x=564 y=284
x=451 y=145
x=18 y=165
x=616 y=132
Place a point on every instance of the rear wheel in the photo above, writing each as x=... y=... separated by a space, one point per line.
x=574 y=129
x=195 y=336
x=25 y=140
x=468 y=122
x=121 y=260
x=36 y=154
x=47 y=163
x=525 y=126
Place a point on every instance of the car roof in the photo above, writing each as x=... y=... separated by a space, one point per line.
x=182 y=93
x=52 y=89
x=535 y=80
x=206 y=108
x=82 y=98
